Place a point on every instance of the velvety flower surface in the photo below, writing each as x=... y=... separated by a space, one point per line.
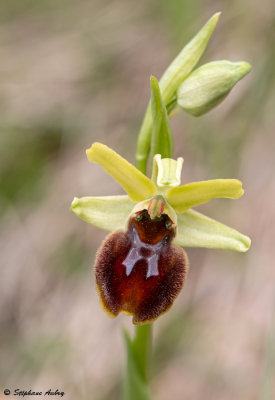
x=140 y=272
x=140 y=268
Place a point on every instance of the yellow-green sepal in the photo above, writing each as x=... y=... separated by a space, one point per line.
x=209 y=84
x=193 y=194
x=162 y=138
x=197 y=230
x=107 y=212
x=138 y=186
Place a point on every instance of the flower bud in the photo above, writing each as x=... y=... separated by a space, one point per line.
x=208 y=85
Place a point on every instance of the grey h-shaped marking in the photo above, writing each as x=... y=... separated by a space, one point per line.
x=135 y=255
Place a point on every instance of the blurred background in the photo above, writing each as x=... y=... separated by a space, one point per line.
x=76 y=72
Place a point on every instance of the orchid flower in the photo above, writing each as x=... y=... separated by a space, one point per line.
x=141 y=267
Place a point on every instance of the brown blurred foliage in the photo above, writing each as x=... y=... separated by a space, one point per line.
x=75 y=72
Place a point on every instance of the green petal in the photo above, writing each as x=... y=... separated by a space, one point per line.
x=109 y=212
x=184 y=197
x=134 y=182
x=197 y=230
x=162 y=138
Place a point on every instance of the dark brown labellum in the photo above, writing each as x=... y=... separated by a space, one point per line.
x=140 y=272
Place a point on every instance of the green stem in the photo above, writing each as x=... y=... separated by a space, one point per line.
x=144 y=140
x=138 y=361
x=143 y=343
x=139 y=348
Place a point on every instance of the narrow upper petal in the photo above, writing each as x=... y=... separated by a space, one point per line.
x=197 y=230
x=108 y=212
x=192 y=194
x=138 y=186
